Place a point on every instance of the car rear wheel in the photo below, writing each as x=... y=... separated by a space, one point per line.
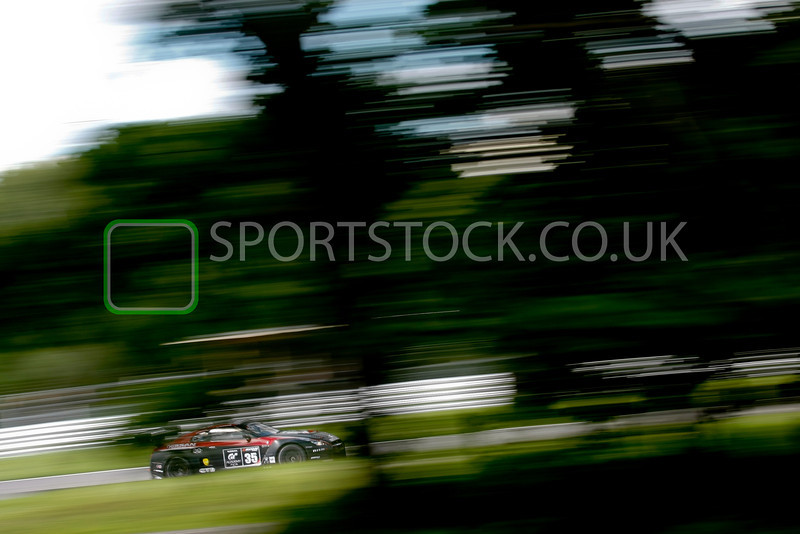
x=291 y=454
x=177 y=467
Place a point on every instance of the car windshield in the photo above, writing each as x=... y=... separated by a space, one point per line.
x=260 y=429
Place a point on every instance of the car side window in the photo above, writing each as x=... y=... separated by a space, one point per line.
x=226 y=434
x=203 y=436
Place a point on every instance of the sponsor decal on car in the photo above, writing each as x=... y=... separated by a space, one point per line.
x=242 y=457
x=181 y=446
x=207 y=469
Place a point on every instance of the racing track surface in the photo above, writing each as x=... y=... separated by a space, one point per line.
x=15 y=488
x=18 y=488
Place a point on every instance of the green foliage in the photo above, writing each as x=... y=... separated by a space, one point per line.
x=711 y=144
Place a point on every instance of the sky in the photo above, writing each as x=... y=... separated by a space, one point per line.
x=71 y=67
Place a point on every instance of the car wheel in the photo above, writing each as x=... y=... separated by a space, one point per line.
x=291 y=454
x=177 y=467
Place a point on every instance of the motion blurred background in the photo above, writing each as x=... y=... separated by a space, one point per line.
x=652 y=396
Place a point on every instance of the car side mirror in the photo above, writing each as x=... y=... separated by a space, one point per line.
x=248 y=438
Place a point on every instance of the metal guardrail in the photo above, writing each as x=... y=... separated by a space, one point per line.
x=28 y=439
x=416 y=396
x=304 y=409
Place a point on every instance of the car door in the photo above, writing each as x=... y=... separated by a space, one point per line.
x=231 y=448
x=209 y=456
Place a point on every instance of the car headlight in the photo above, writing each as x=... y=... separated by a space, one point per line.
x=318 y=443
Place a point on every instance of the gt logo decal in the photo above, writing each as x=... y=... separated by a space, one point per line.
x=233 y=458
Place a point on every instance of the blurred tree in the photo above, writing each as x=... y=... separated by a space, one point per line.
x=709 y=141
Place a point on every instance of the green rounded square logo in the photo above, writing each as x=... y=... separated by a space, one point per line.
x=134 y=253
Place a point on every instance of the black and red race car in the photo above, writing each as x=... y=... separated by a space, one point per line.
x=239 y=445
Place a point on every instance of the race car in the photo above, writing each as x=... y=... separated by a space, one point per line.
x=240 y=445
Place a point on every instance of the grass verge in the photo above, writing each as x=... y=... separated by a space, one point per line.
x=226 y=498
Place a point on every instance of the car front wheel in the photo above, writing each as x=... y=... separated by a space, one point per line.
x=291 y=454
